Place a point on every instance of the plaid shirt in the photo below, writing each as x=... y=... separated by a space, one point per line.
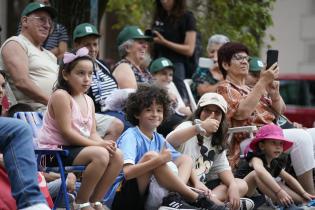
x=262 y=114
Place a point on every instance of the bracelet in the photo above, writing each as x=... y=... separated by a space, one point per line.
x=200 y=130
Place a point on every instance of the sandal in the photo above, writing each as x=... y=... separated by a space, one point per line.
x=78 y=206
x=99 y=206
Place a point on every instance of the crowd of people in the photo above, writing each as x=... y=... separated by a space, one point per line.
x=131 y=126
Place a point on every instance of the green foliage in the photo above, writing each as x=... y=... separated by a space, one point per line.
x=241 y=20
x=132 y=12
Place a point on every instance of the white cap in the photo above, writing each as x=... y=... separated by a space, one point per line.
x=213 y=98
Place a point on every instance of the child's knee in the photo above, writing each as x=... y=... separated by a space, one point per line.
x=118 y=156
x=242 y=186
x=101 y=156
x=184 y=159
x=150 y=155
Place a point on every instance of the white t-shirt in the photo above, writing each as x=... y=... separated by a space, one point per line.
x=43 y=70
x=208 y=165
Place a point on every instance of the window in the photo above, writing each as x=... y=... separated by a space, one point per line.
x=293 y=92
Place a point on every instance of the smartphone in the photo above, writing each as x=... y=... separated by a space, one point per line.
x=205 y=63
x=272 y=57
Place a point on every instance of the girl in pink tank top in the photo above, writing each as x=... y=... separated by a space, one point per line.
x=70 y=123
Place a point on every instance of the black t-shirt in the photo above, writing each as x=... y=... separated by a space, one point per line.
x=276 y=165
x=174 y=32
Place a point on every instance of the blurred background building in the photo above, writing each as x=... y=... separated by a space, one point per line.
x=294 y=32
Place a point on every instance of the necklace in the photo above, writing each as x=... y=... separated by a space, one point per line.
x=84 y=127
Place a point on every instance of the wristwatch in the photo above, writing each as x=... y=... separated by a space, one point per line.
x=200 y=130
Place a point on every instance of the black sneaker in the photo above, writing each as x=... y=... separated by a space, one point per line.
x=204 y=203
x=174 y=201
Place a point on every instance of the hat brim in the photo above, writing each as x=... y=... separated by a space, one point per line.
x=90 y=34
x=160 y=69
x=287 y=144
x=147 y=38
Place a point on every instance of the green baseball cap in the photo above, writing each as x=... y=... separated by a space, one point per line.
x=159 y=64
x=255 y=64
x=131 y=32
x=35 y=6
x=84 y=29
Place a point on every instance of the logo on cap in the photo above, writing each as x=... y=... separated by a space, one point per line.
x=139 y=31
x=88 y=29
x=41 y=5
x=164 y=63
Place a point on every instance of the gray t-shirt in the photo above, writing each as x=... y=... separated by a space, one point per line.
x=207 y=165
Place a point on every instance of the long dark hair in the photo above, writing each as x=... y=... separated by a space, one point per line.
x=219 y=138
x=179 y=8
x=61 y=83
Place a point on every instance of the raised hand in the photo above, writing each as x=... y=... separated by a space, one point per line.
x=210 y=124
x=273 y=89
x=165 y=154
x=269 y=75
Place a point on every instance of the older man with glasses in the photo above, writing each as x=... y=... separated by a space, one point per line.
x=32 y=70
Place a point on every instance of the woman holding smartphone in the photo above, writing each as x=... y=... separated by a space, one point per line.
x=251 y=106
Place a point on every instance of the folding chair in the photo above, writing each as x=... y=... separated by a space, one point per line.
x=251 y=129
x=35 y=120
x=192 y=101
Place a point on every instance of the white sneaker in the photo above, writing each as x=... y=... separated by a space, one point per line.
x=246 y=204
x=39 y=206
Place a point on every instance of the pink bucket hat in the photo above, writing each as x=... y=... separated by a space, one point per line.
x=270 y=132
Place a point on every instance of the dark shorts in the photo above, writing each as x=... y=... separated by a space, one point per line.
x=213 y=183
x=129 y=197
x=51 y=161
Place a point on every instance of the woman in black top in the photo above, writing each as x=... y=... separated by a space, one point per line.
x=174 y=31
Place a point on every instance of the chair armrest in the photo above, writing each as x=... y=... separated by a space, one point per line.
x=249 y=129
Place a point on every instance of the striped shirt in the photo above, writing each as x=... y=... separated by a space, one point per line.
x=58 y=35
x=103 y=84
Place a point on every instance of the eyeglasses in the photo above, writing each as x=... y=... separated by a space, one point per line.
x=42 y=20
x=209 y=110
x=239 y=57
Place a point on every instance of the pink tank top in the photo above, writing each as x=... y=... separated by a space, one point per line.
x=50 y=137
